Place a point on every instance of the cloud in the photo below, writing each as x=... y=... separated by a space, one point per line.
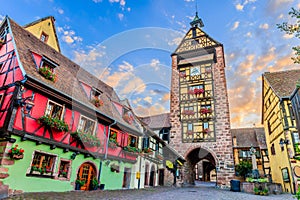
x=264 y=26
x=148 y=99
x=241 y=5
x=97 y=1
x=120 y=16
x=126 y=67
x=155 y=64
x=154 y=109
x=249 y=35
x=68 y=35
x=59 y=10
x=235 y=25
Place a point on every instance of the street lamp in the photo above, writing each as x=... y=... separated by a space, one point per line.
x=282 y=142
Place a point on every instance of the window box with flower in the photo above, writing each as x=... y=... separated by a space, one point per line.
x=205 y=110
x=188 y=112
x=133 y=150
x=206 y=130
x=86 y=139
x=112 y=143
x=97 y=102
x=190 y=132
x=47 y=73
x=54 y=123
x=16 y=153
x=148 y=151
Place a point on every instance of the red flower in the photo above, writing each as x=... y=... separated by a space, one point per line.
x=21 y=150
x=9 y=151
x=15 y=148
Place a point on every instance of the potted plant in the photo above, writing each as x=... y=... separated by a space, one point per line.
x=256 y=191
x=265 y=191
x=79 y=183
x=95 y=183
x=47 y=73
x=97 y=102
x=16 y=153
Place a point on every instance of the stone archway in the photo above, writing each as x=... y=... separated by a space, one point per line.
x=199 y=156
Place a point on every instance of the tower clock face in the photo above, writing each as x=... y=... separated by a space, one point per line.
x=195 y=71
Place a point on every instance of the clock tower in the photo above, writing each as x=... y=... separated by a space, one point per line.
x=199 y=107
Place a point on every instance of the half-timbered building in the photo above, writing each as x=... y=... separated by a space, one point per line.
x=61 y=128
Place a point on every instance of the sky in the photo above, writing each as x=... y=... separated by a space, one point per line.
x=128 y=44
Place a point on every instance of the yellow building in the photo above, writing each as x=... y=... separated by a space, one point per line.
x=44 y=29
x=278 y=118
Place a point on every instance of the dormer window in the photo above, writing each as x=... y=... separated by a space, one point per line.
x=44 y=37
x=47 y=69
x=95 y=97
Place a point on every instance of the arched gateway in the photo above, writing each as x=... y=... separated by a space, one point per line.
x=199 y=107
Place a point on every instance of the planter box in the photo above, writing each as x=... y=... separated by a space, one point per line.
x=273 y=188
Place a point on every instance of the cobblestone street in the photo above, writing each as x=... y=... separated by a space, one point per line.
x=166 y=193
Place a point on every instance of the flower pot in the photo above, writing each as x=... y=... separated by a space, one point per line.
x=17 y=157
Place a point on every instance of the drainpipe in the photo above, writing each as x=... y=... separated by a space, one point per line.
x=107 y=139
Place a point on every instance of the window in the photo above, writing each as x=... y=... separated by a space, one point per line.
x=113 y=135
x=64 y=168
x=44 y=37
x=132 y=141
x=1 y=97
x=164 y=134
x=46 y=69
x=273 y=149
x=95 y=93
x=190 y=127
x=54 y=110
x=269 y=127
x=42 y=164
x=145 y=143
x=292 y=114
x=153 y=144
x=194 y=32
x=205 y=127
x=86 y=125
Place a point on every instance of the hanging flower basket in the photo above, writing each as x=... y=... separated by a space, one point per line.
x=130 y=149
x=16 y=153
x=86 y=139
x=47 y=73
x=54 y=123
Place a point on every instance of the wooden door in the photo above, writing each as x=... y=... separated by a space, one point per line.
x=161 y=177
x=87 y=173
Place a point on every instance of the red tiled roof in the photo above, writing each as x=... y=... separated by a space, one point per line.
x=283 y=82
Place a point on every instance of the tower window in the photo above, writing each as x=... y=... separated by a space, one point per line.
x=44 y=37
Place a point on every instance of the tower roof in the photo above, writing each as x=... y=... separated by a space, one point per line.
x=197 y=21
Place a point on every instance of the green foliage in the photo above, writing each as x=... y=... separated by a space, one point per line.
x=16 y=151
x=243 y=168
x=80 y=182
x=87 y=138
x=95 y=182
x=297 y=195
x=55 y=123
x=47 y=73
x=293 y=29
x=256 y=190
x=132 y=149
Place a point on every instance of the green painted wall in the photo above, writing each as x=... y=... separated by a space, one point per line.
x=113 y=180
x=18 y=180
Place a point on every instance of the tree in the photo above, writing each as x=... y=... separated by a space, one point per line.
x=243 y=168
x=293 y=29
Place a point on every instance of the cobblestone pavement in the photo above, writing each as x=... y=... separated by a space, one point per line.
x=158 y=193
